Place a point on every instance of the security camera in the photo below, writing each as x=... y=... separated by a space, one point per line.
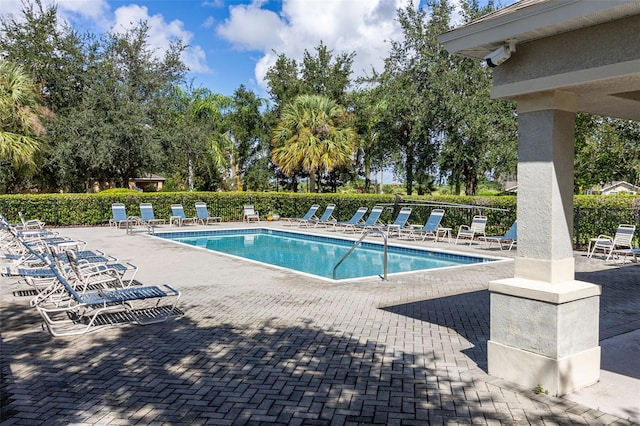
x=497 y=57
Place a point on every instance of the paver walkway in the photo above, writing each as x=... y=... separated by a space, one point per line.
x=258 y=345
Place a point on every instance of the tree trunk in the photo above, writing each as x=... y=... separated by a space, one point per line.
x=190 y=173
x=312 y=181
x=470 y=179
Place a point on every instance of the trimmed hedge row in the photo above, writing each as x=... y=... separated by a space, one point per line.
x=593 y=215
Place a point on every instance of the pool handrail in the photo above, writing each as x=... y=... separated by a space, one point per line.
x=365 y=233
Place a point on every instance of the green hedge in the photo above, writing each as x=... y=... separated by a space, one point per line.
x=594 y=215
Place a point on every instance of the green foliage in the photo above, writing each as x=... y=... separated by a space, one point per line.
x=607 y=150
x=594 y=215
x=539 y=389
x=318 y=74
x=118 y=191
x=19 y=117
x=312 y=136
x=113 y=111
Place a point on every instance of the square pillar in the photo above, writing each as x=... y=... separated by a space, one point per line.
x=544 y=324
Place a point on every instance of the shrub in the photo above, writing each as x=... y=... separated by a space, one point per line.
x=594 y=215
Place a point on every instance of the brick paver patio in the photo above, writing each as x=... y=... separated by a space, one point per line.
x=258 y=345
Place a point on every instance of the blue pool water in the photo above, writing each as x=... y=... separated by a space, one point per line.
x=317 y=255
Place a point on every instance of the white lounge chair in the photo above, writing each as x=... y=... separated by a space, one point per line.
x=31 y=223
x=620 y=241
x=250 y=214
x=473 y=231
x=120 y=217
x=370 y=223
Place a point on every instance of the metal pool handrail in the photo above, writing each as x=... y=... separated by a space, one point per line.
x=357 y=243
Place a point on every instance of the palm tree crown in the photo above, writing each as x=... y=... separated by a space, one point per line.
x=19 y=115
x=311 y=136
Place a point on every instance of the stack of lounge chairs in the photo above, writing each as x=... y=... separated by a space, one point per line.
x=76 y=290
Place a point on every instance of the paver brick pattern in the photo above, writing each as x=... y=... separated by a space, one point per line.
x=259 y=345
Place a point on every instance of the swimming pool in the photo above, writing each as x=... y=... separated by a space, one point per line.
x=317 y=255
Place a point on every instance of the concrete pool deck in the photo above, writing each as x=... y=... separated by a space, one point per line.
x=259 y=345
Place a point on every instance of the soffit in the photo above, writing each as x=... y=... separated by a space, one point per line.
x=528 y=20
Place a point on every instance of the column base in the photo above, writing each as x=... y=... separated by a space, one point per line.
x=557 y=376
x=545 y=334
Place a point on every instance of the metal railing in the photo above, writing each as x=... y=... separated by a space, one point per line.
x=357 y=243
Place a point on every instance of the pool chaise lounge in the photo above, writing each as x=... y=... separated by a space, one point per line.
x=147 y=215
x=370 y=223
x=634 y=253
x=509 y=239
x=326 y=218
x=309 y=215
x=607 y=245
x=70 y=310
x=178 y=217
x=354 y=220
x=120 y=217
x=430 y=228
x=250 y=214
x=70 y=302
x=473 y=231
x=30 y=223
x=202 y=214
x=398 y=224
x=67 y=312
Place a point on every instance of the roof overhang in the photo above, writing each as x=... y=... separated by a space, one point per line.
x=590 y=48
x=529 y=20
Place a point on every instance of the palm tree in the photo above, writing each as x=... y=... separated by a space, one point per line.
x=198 y=114
x=311 y=137
x=19 y=116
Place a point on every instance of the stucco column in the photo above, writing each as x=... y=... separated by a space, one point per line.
x=545 y=187
x=544 y=323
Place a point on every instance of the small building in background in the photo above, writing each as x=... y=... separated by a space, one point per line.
x=147 y=183
x=618 y=187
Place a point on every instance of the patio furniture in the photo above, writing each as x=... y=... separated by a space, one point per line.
x=354 y=220
x=473 y=231
x=178 y=217
x=120 y=217
x=400 y=222
x=606 y=244
x=430 y=228
x=309 y=215
x=250 y=214
x=510 y=238
x=147 y=215
x=203 y=216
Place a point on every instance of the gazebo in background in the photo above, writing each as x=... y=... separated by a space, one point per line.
x=147 y=183
x=553 y=58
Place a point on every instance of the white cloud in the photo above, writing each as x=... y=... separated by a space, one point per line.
x=161 y=34
x=86 y=14
x=251 y=28
x=363 y=26
x=94 y=10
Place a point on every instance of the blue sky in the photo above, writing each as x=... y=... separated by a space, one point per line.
x=233 y=42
